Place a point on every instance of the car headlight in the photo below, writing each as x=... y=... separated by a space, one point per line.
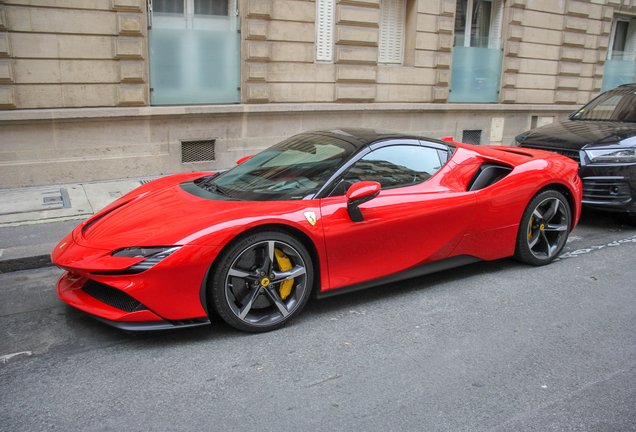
x=153 y=256
x=612 y=155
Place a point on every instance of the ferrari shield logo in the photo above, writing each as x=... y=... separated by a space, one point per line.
x=311 y=218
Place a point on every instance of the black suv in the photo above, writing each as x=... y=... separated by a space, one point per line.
x=601 y=137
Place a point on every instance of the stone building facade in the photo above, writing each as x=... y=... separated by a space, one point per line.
x=100 y=89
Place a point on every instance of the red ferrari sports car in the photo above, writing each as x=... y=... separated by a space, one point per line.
x=320 y=213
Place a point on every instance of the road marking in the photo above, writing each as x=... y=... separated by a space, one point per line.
x=335 y=377
x=6 y=357
x=589 y=249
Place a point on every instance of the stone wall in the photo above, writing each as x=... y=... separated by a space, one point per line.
x=555 y=51
x=74 y=91
x=91 y=53
x=54 y=146
x=72 y=53
x=279 y=54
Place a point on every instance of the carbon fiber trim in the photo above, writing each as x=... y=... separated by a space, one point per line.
x=113 y=297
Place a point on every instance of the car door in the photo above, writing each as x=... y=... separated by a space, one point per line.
x=418 y=216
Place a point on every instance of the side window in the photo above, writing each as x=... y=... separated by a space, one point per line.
x=393 y=166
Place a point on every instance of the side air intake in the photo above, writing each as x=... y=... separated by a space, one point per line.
x=488 y=174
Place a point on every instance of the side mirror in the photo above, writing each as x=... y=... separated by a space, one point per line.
x=243 y=159
x=448 y=139
x=360 y=193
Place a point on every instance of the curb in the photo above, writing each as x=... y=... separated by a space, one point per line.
x=26 y=263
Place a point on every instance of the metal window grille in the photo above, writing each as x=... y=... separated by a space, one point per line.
x=197 y=151
x=471 y=137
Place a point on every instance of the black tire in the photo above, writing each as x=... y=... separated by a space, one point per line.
x=243 y=291
x=544 y=229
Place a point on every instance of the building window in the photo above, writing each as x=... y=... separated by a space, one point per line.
x=478 y=23
x=623 y=40
x=392 y=25
x=194 y=52
x=477 y=54
x=195 y=7
x=620 y=67
x=325 y=19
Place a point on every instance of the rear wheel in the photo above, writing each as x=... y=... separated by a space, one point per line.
x=262 y=281
x=544 y=229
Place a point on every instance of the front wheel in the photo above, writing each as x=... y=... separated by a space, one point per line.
x=544 y=229
x=262 y=281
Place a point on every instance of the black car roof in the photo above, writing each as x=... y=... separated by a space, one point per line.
x=360 y=137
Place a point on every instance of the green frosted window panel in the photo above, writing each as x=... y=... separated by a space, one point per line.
x=194 y=59
x=618 y=72
x=475 y=74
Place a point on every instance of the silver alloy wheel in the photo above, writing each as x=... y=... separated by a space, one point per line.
x=548 y=228
x=253 y=284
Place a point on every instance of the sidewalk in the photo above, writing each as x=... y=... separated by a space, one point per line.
x=34 y=219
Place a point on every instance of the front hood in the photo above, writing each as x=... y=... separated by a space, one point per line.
x=574 y=135
x=168 y=215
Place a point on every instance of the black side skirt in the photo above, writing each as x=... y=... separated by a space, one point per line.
x=421 y=270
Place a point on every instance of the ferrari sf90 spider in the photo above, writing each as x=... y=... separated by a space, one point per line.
x=320 y=213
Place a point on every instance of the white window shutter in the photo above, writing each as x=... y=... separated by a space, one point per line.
x=392 y=23
x=496 y=24
x=325 y=19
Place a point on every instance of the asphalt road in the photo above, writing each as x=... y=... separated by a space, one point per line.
x=491 y=346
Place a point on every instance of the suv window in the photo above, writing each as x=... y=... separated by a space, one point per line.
x=615 y=105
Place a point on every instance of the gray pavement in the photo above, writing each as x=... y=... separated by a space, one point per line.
x=493 y=346
x=34 y=219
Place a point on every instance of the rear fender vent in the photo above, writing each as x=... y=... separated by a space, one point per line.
x=518 y=153
x=197 y=151
x=488 y=174
x=471 y=137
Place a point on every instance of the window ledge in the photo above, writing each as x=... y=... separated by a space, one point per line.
x=61 y=114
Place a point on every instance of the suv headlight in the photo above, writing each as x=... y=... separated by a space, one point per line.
x=612 y=155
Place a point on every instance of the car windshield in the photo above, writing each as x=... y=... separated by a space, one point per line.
x=294 y=169
x=615 y=105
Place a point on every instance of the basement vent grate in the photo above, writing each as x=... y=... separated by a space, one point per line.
x=471 y=137
x=197 y=151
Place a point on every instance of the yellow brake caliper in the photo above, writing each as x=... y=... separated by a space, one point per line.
x=284 y=264
x=530 y=230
